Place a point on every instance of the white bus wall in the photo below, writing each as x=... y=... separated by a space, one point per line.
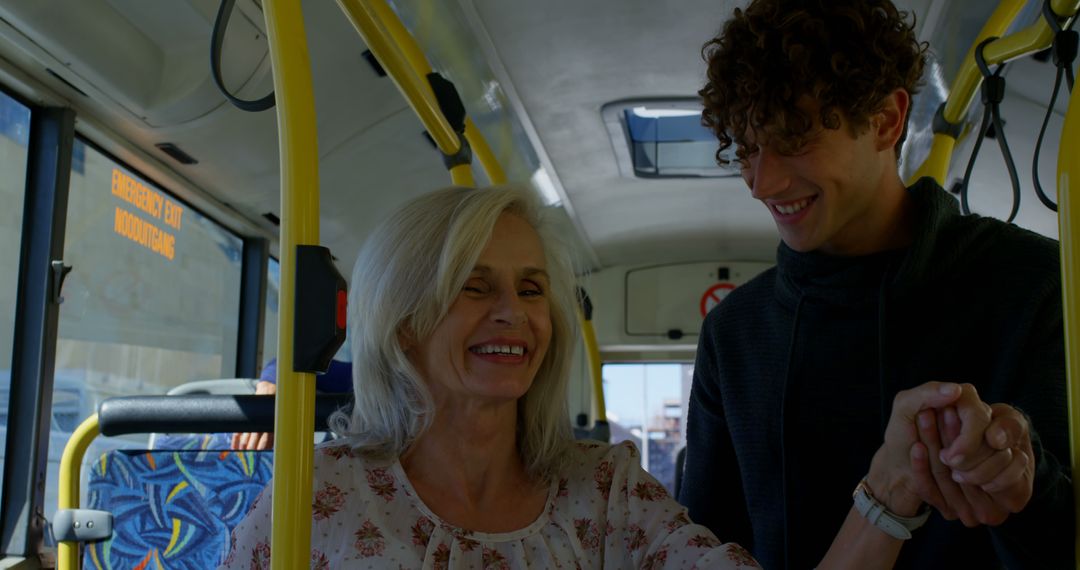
x=635 y=307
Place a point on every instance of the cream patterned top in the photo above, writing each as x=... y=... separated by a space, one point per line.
x=605 y=511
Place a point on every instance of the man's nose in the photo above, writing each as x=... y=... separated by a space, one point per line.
x=768 y=174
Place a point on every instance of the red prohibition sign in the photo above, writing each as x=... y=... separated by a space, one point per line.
x=714 y=295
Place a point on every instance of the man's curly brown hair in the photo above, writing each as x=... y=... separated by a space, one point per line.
x=846 y=55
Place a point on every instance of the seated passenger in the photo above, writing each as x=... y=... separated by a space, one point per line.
x=458 y=452
x=336 y=380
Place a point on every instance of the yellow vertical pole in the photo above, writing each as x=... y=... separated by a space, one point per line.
x=294 y=421
x=596 y=366
x=67 y=553
x=1069 y=234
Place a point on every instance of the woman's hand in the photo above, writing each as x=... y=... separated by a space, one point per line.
x=256 y=441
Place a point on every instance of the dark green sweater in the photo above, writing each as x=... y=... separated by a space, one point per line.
x=797 y=369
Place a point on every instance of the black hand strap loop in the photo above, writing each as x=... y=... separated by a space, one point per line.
x=221 y=23
x=1065 y=40
x=1064 y=52
x=993 y=91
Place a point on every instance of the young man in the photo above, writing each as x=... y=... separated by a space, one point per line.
x=878 y=288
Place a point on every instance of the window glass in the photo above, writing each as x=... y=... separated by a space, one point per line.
x=270 y=336
x=152 y=301
x=14 y=137
x=646 y=404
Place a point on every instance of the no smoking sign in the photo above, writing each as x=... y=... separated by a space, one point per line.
x=713 y=295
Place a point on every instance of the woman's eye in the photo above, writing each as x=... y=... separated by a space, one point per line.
x=531 y=291
x=474 y=288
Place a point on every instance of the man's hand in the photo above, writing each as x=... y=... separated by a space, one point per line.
x=892 y=476
x=256 y=441
x=977 y=464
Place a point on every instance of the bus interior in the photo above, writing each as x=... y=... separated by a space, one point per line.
x=143 y=212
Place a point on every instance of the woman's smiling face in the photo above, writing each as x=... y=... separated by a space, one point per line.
x=491 y=342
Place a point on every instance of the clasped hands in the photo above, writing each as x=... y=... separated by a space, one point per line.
x=944 y=446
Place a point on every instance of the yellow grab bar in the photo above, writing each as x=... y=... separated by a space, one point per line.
x=419 y=65
x=1069 y=234
x=416 y=59
x=67 y=552
x=416 y=91
x=294 y=418
x=1035 y=37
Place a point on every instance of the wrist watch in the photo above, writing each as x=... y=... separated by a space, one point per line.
x=890 y=523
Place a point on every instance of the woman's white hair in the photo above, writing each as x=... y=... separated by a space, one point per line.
x=407 y=275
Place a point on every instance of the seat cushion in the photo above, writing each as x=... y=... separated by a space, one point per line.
x=172 y=509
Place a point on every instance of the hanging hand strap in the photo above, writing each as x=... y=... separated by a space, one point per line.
x=993 y=92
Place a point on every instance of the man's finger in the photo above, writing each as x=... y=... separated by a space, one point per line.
x=1008 y=427
x=984 y=510
x=968 y=449
x=1013 y=474
x=953 y=505
x=908 y=403
x=986 y=471
x=949 y=426
x=926 y=484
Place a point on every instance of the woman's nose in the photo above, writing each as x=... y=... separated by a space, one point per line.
x=509 y=309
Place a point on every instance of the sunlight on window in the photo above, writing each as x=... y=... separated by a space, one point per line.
x=646 y=404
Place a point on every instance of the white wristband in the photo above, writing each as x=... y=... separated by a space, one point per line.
x=890 y=523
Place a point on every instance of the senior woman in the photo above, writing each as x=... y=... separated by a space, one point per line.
x=458 y=452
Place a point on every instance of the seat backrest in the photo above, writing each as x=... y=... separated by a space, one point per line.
x=172 y=509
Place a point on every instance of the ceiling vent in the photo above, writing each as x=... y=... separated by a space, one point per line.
x=664 y=138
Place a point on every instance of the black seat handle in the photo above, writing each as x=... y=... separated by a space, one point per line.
x=203 y=413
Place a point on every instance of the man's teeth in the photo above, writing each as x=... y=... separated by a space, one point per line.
x=503 y=349
x=789 y=209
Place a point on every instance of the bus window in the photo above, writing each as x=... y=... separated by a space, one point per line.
x=646 y=404
x=270 y=336
x=14 y=137
x=153 y=299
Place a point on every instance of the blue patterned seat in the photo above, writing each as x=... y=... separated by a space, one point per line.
x=172 y=509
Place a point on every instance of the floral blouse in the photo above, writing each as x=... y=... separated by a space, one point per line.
x=605 y=511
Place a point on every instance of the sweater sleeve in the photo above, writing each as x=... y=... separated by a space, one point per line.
x=1041 y=536
x=712 y=486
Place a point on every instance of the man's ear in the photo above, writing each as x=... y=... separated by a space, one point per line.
x=887 y=125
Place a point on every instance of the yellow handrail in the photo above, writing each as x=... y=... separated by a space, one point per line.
x=295 y=407
x=67 y=552
x=1033 y=38
x=1069 y=234
x=410 y=49
x=414 y=87
x=404 y=61
x=963 y=89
